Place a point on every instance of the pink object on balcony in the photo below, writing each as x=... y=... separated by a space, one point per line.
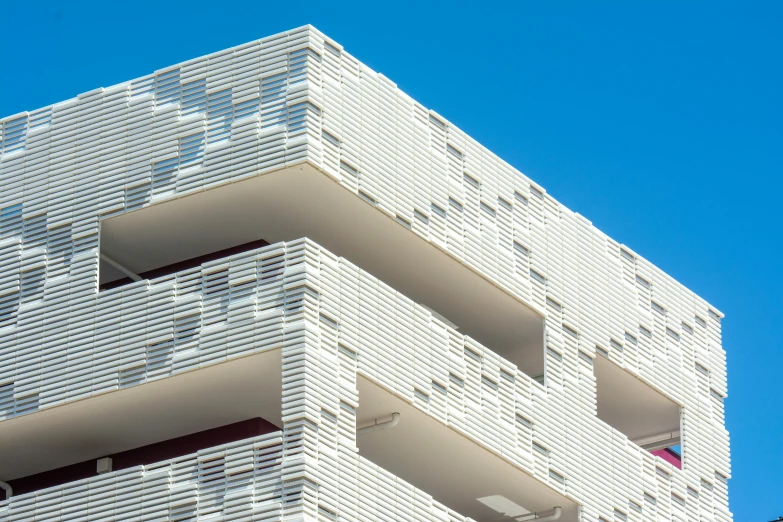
x=672 y=457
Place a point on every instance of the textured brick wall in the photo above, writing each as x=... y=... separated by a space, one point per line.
x=299 y=97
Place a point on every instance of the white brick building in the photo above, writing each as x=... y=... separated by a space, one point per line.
x=214 y=277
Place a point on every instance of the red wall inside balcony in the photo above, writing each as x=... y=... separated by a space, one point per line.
x=669 y=456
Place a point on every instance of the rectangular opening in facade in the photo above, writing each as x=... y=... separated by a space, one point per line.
x=639 y=411
x=446 y=464
x=145 y=260
x=144 y=424
x=301 y=202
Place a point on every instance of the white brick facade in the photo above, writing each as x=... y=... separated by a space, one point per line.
x=298 y=98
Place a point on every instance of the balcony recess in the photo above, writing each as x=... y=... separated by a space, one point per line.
x=300 y=202
x=111 y=424
x=646 y=416
x=446 y=464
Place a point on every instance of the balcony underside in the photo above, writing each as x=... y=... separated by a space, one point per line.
x=168 y=408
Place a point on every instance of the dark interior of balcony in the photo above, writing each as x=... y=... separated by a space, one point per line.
x=113 y=274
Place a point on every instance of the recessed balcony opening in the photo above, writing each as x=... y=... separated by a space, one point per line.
x=443 y=463
x=143 y=265
x=144 y=424
x=645 y=415
x=301 y=202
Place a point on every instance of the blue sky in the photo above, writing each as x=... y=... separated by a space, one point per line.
x=659 y=121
